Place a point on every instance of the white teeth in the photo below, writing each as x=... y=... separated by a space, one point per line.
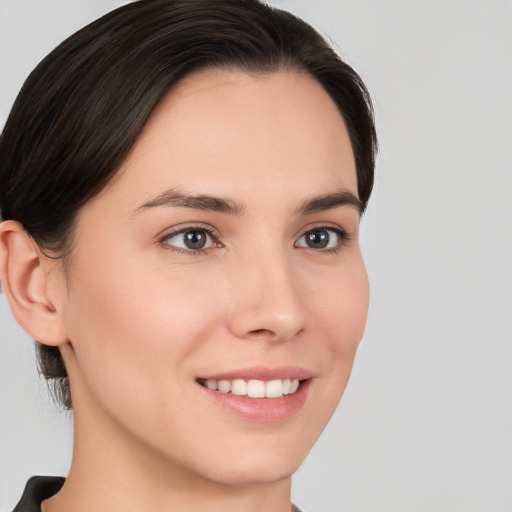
x=225 y=386
x=239 y=387
x=254 y=388
x=211 y=384
x=274 y=389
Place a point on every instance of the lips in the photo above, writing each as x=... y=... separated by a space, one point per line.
x=262 y=373
x=259 y=393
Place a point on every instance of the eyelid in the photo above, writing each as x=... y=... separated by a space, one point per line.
x=323 y=225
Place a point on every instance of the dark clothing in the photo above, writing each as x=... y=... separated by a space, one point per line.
x=40 y=488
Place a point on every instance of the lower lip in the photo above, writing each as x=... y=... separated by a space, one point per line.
x=261 y=409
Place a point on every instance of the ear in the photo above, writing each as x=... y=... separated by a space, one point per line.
x=28 y=280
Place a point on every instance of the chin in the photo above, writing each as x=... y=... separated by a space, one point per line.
x=251 y=474
x=260 y=463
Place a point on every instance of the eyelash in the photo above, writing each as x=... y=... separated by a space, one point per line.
x=195 y=227
x=343 y=236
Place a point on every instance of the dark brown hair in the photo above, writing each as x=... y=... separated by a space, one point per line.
x=82 y=108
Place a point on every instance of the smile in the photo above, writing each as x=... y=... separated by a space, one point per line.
x=259 y=393
x=253 y=388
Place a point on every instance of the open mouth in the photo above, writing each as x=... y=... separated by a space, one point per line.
x=253 y=388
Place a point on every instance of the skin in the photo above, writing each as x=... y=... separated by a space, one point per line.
x=138 y=319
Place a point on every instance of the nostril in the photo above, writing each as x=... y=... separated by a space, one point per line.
x=260 y=331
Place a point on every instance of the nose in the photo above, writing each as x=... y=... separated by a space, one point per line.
x=267 y=299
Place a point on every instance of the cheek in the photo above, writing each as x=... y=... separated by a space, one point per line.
x=342 y=311
x=341 y=315
x=134 y=326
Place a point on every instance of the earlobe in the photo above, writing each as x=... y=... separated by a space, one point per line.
x=25 y=280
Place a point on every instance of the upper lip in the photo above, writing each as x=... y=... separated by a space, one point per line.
x=262 y=373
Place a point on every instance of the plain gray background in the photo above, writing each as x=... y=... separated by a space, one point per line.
x=426 y=422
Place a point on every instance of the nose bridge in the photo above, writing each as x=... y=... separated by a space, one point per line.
x=267 y=301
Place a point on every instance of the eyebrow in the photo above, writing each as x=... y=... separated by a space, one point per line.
x=208 y=203
x=205 y=202
x=331 y=201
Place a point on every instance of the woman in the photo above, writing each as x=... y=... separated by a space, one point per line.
x=181 y=184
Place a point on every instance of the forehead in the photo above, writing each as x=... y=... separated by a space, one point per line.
x=230 y=133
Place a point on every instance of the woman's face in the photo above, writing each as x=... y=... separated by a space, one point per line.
x=225 y=250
